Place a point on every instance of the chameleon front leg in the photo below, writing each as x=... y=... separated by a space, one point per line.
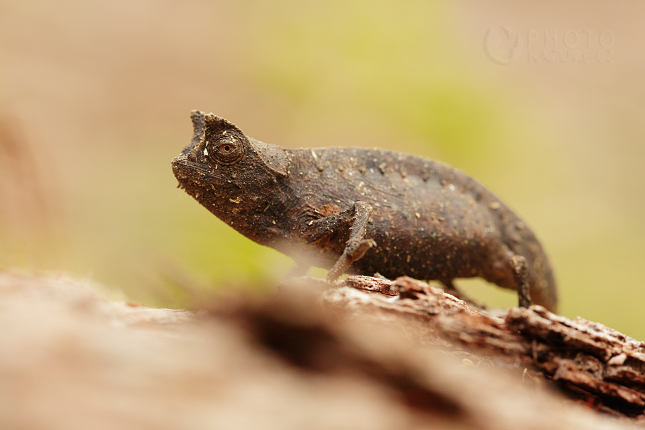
x=357 y=218
x=357 y=245
x=315 y=230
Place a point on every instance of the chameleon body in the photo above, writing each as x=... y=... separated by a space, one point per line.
x=362 y=211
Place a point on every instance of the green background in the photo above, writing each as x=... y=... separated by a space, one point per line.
x=542 y=103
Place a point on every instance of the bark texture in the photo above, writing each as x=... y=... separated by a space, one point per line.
x=586 y=360
x=351 y=357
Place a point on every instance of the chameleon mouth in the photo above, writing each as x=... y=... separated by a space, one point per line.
x=192 y=176
x=187 y=163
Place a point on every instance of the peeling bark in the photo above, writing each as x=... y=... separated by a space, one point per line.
x=585 y=359
x=372 y=354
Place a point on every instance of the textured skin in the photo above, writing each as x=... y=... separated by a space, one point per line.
x=410 y=216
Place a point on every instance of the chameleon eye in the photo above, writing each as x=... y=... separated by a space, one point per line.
x=226 y=148
x=227 y=151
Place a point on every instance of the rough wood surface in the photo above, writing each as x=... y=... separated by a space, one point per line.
x=587 y=360
x=309 y=357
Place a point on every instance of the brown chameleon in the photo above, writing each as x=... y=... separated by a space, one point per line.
x=362 y=211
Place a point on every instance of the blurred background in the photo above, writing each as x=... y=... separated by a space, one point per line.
x=542 y=102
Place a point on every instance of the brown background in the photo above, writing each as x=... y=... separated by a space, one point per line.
x=95 y=100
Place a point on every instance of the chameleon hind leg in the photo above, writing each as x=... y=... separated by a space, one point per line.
x=521 y=273
x=520 y=282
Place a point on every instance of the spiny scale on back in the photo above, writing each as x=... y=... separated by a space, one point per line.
x=362 y=211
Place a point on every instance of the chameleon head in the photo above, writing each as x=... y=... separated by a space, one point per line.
x=208 y=162
x=226 y=171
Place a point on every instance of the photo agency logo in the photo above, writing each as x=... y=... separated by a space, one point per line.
x=505 y=45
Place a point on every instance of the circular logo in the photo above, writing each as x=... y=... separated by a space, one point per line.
x=502 y=45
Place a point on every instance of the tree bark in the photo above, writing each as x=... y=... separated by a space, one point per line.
x=586 y=360
x=368 y=354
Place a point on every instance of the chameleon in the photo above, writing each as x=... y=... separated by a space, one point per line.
x=363 y=211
